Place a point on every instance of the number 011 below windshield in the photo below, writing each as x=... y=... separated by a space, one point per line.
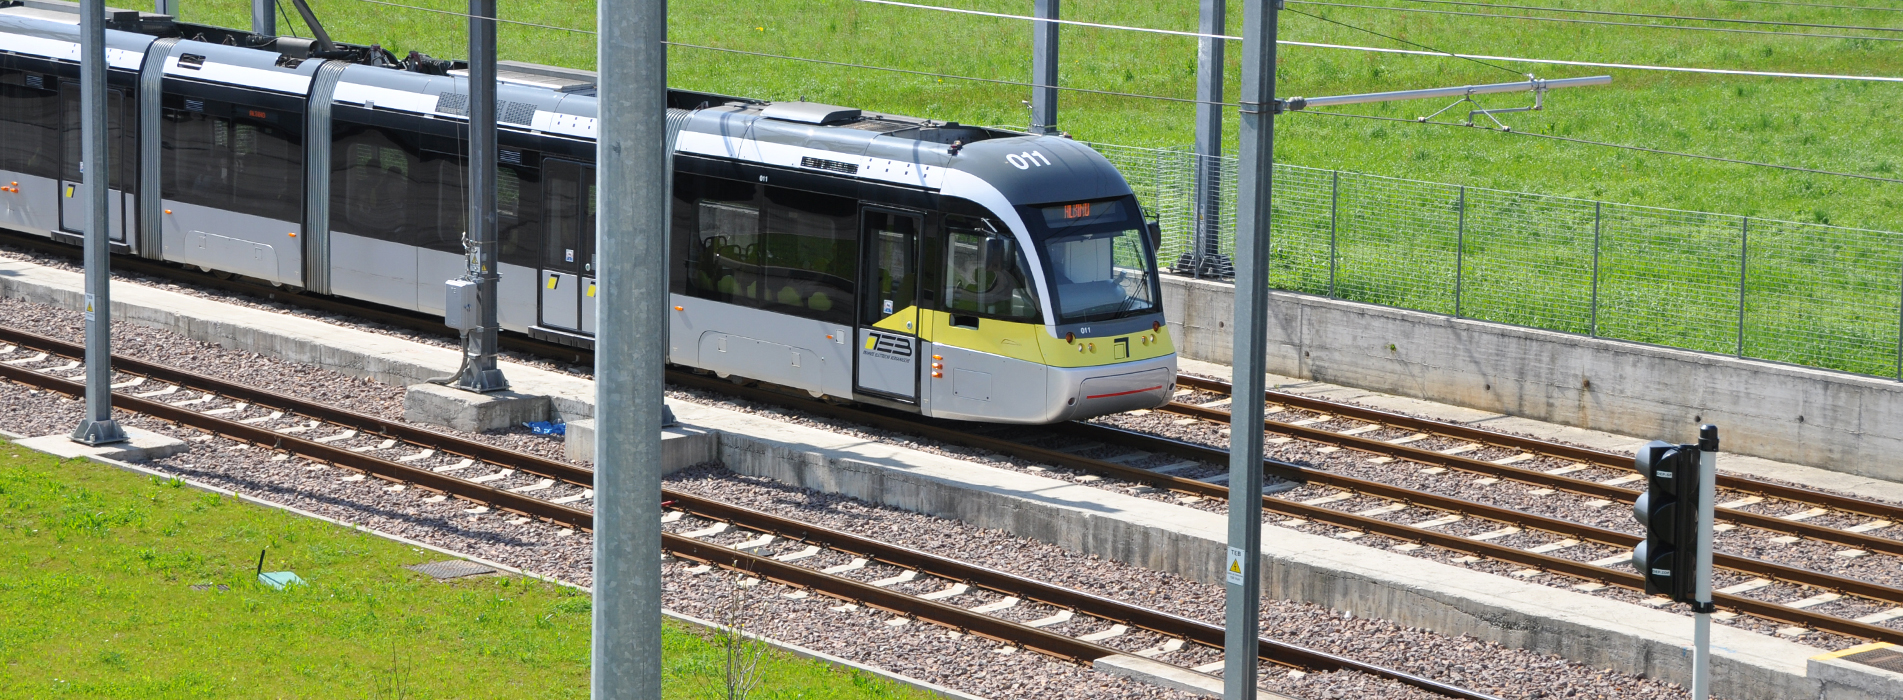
x=1101 y=266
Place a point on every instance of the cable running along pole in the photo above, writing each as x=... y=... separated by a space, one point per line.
x=479 y=371
x=95 y=168
x=630 y=348
x=1243 y=575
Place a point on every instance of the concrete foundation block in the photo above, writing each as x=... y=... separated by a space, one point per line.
x=139 y=446
x=1844 y=679
x=681 y=446
x=434 y=404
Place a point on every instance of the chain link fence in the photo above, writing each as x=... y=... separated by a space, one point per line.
x=1806 y=294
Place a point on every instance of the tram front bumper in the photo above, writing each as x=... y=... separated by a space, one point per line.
x=1088 y=392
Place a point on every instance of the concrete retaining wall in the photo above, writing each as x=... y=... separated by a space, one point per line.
x=1813 y=417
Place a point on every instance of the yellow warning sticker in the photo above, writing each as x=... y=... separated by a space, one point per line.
x=872 y=341
x=1233 y=571
x=591 y=289
x=69 y=191
x=551 y=281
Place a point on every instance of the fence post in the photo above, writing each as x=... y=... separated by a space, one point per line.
x=1460 y=246
x=1592 y=324
x=1899 y=330
x=1334 y=215
x=1744 y=256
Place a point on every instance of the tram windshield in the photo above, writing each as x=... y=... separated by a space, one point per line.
x=1101 y=267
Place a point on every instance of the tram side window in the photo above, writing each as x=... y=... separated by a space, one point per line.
x=723 y=252
x=244 y=164
x=402 y=187
x=441 y=216
x=375 y=191
x=811 y=250
x=985 y=274
x=29 y=121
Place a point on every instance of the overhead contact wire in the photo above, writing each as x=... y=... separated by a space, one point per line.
x=1622 y=146
x=1509 y=71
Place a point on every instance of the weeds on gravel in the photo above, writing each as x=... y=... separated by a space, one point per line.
x=741 y=648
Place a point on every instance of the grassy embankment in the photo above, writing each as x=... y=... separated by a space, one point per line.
x=1825 y=301
x=98 y=591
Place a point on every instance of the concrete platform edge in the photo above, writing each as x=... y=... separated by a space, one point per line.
x=789 y=648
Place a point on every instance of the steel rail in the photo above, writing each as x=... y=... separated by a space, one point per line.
x=1755 y=567
x=266 y=437
x=1594 y=489
x=1586 y=455
x=361 y=422
x=950 y=616
x=1029 y=589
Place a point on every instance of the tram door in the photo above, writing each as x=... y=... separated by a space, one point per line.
x=567 y=284
x=888 y=346
x=74 y=205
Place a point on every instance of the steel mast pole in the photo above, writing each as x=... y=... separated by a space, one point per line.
x=1250 y=348
x=480 y=373
x=630 y=348
x=1044 y=68
x=1204 y=247
x=95 y=169
x=264 y=18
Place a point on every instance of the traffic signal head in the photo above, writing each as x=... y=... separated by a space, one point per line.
x=1668 y=510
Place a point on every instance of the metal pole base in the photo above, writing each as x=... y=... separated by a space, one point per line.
x=481 y=381
x=667 y=417
x=479 y=372
x=99 y=432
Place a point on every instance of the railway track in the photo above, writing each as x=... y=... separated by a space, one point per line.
x=1569 y=454
x=291 y=426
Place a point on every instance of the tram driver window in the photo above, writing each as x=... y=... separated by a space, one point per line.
x=985 y=275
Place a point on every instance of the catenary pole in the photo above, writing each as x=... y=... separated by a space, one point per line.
x=1257 y=152
x=264 y=17
x=1044 y=68
x=480 y=372
x=98 y=427
x=1204 y=244
x=630 y=348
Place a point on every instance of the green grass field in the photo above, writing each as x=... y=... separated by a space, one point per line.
x=1831 y=125
x=97 y=594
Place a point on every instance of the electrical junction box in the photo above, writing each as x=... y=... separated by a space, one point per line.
x=461 y=310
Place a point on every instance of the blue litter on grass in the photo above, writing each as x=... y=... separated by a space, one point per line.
x=275 y=579
x=547 y=428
